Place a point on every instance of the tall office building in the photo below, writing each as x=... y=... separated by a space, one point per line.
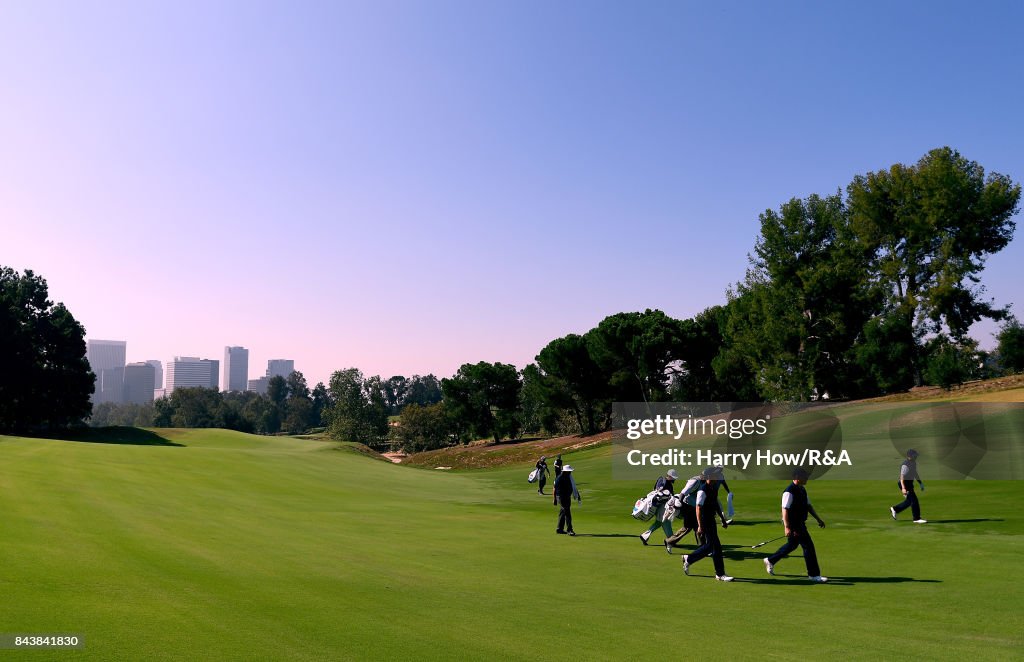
x=158 y=373
x=236 y=369
x=106 y=358
x=190 y=372
x=280 y=367
x=138 y=383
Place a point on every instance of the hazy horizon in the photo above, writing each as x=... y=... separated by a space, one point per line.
x=406 y=187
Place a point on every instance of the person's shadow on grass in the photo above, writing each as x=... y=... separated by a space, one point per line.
x=834 y=581
x=606 y=535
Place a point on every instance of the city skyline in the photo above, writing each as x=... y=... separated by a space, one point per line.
x=407 y=188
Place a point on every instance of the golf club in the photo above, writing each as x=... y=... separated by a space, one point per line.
x=762 y=544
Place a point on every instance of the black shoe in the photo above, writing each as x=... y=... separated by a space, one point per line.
x=560 y=532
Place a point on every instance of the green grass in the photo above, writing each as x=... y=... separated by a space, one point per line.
x=235 y=547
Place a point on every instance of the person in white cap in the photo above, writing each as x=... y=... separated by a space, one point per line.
x=908 y=474
x=565 y=491
x=666 y=482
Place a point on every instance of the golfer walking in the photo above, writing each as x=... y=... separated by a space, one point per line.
x=908 y=474
x=707 y=528
x=796 y=505
x=565 y=491
x=558 y=465
x=542 y=473
x=688 y=512
x=666 y=482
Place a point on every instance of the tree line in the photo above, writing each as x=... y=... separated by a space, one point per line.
x=866 y=291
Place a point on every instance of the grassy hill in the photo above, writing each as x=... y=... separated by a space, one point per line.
x=208 y=544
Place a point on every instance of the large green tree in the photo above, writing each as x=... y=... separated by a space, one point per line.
x=570 y=379
x=808 y=295
x=359 y=412
x=929 y=228
x=483 y=398
x=1011 y=346
x=636 y=353
x=45 y=381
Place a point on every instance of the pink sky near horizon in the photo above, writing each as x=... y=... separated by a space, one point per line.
x=404 y=188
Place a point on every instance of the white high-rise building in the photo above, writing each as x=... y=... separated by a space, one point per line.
x=191 y=372
x=280 y=367
x=138 y=383
x=236 y=369
x=107 y=358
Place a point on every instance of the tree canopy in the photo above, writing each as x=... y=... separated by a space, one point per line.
x=45 y=381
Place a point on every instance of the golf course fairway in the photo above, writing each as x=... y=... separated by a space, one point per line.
x=209 y=544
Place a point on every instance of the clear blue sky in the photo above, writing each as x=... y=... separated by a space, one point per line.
x=407 y=186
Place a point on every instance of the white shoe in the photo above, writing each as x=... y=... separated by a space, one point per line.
x=818 y=579
x=686 y=564
x=893 y=511
x=769 y=567
x=723 y=578
x=644 y=536
x=920 y=521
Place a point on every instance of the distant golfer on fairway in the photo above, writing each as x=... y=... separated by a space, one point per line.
x=558 y=465
x=707 y=528
x=908 y=474
x=564 y=492
x=666 y=482
x=542 y=473
x=795 y=507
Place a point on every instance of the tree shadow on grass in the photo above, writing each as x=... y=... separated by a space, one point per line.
x=115 y=435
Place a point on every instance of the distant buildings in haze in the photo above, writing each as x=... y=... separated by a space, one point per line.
x=275 y=368
x=106 y=359
x=191 y=372
x=236 y=369
x=142 y=382
x=280 y=367
x=138 y=383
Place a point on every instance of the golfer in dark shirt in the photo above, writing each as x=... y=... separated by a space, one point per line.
x=908 y=474
x=542 y=473
x=558 y=465
x=795 y=507
x=565 y=491
x=707 y=528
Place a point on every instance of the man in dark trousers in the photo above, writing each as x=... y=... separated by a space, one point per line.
x=707 y=528
x=542 y=473
x=565 y=491
x=558 y=465
x=795 y=507
x=688 y=512
x=908 y=474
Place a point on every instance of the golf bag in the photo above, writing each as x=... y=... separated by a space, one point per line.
x=533 y=476
x=672 y=508
x=647 y=507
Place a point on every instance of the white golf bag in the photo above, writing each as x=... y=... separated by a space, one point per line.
x=533 y=476
x=672 y=508
x=647 y=507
